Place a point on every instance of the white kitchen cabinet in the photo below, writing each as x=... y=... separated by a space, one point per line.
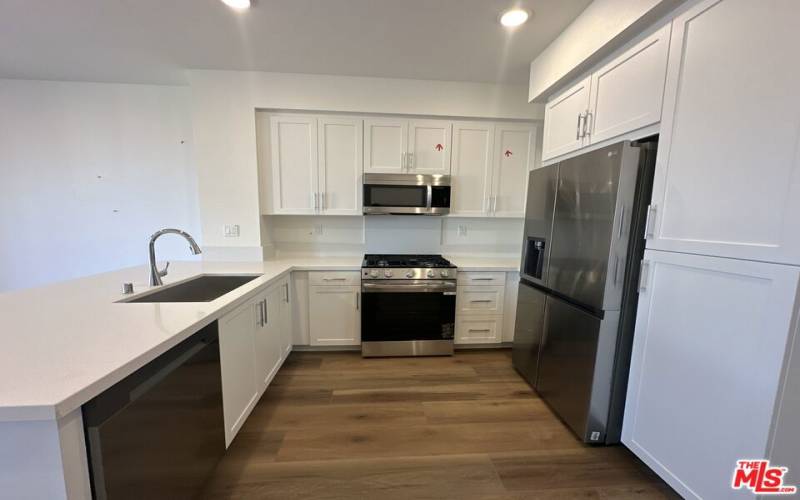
x=237 y=331
x=623 y=95
x=515 y=145
x=480 y=304
x=385 y=145
x=340 y=165
x=627 y=92
x=564 y=117
x=480 y=300
x=334 y=314
x=429 y=146
x=398 y=145
x=293 y=164
x=478 y=329
x=727 y=177
x=472 y=162
x=490 y=168
x=711 y=335
x=315 y=164
x=268 y=336
x=285 y=317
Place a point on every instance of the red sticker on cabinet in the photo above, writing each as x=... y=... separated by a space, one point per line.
x=439 y=147
x=508 y=153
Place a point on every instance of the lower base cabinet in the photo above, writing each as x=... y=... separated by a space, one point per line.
x=480 y=305
x=706 y=369
x=334 y=315
x=255 y=339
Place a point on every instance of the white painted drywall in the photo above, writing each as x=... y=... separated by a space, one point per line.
x=223 y=116
x=88 y=172
x=587 y=39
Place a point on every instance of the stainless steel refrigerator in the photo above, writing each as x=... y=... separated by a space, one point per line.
x=583 y=244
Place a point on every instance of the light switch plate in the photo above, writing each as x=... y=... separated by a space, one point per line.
x=231 y=230
x=462 y=229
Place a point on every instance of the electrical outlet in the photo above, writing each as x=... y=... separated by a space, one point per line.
x=319 y=229
x=462 y=229
x=231 y=230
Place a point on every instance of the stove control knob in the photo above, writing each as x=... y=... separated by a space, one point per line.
x=388 y=273
x=410 y=274
x=444 y=273
x=373 y=274
x=431 y=274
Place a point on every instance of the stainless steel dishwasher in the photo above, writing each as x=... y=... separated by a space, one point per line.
x=159 y=433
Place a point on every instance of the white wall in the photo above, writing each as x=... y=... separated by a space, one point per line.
x=598 y=30
x=87 y=172
x=224 y=105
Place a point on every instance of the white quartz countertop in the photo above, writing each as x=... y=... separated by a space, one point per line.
x=65 y=343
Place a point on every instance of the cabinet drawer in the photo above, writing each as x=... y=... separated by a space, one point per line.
x=478 y=330
x=334 y=278
x=482 y=278
x=483 y=300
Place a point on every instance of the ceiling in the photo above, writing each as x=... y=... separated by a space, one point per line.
x=153 y=41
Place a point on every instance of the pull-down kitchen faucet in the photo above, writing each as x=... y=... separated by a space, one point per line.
x=155 y=272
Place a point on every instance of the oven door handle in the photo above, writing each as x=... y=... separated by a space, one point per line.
x=408 y=288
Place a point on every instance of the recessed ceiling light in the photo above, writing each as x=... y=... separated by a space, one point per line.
x=237 y=4
x=514 y=17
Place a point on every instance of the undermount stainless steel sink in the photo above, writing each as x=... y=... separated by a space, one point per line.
x=200 y=289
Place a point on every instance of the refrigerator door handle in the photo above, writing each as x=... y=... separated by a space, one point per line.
x=621 y=223
x=616 y=269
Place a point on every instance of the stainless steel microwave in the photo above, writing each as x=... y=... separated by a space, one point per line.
x=406 y=194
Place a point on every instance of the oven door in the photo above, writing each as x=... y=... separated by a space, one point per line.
x=412 y=310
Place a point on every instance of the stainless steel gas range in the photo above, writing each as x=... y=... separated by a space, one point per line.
x=408 y=305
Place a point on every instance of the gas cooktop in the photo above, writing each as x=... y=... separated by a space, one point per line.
x=407 y=267
x=406 y=260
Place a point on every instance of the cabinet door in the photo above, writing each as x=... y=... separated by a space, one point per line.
x=294 y=164
x=727 y=178
x=334 y=316
x=512 y=161
x=563 y=120
x=385 y=145
x=707 y=355
x=236 y=346
x=286 y=319
x=472 y=168
x=340 y=165
x=478 y=329
x=627 y=92
x=269 y=340
x=429 y=146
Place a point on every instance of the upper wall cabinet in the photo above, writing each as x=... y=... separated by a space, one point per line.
x=395 y=146
x=491 y=162
x=728 y=167
x=340 y=165
x=564 y=117
x=627 y=92
x=515 y=145
x=294 y=178
x=314 y=165
x=623 y=95
x=385 y=145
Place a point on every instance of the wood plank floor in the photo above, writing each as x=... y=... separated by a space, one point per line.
x=334 y=425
